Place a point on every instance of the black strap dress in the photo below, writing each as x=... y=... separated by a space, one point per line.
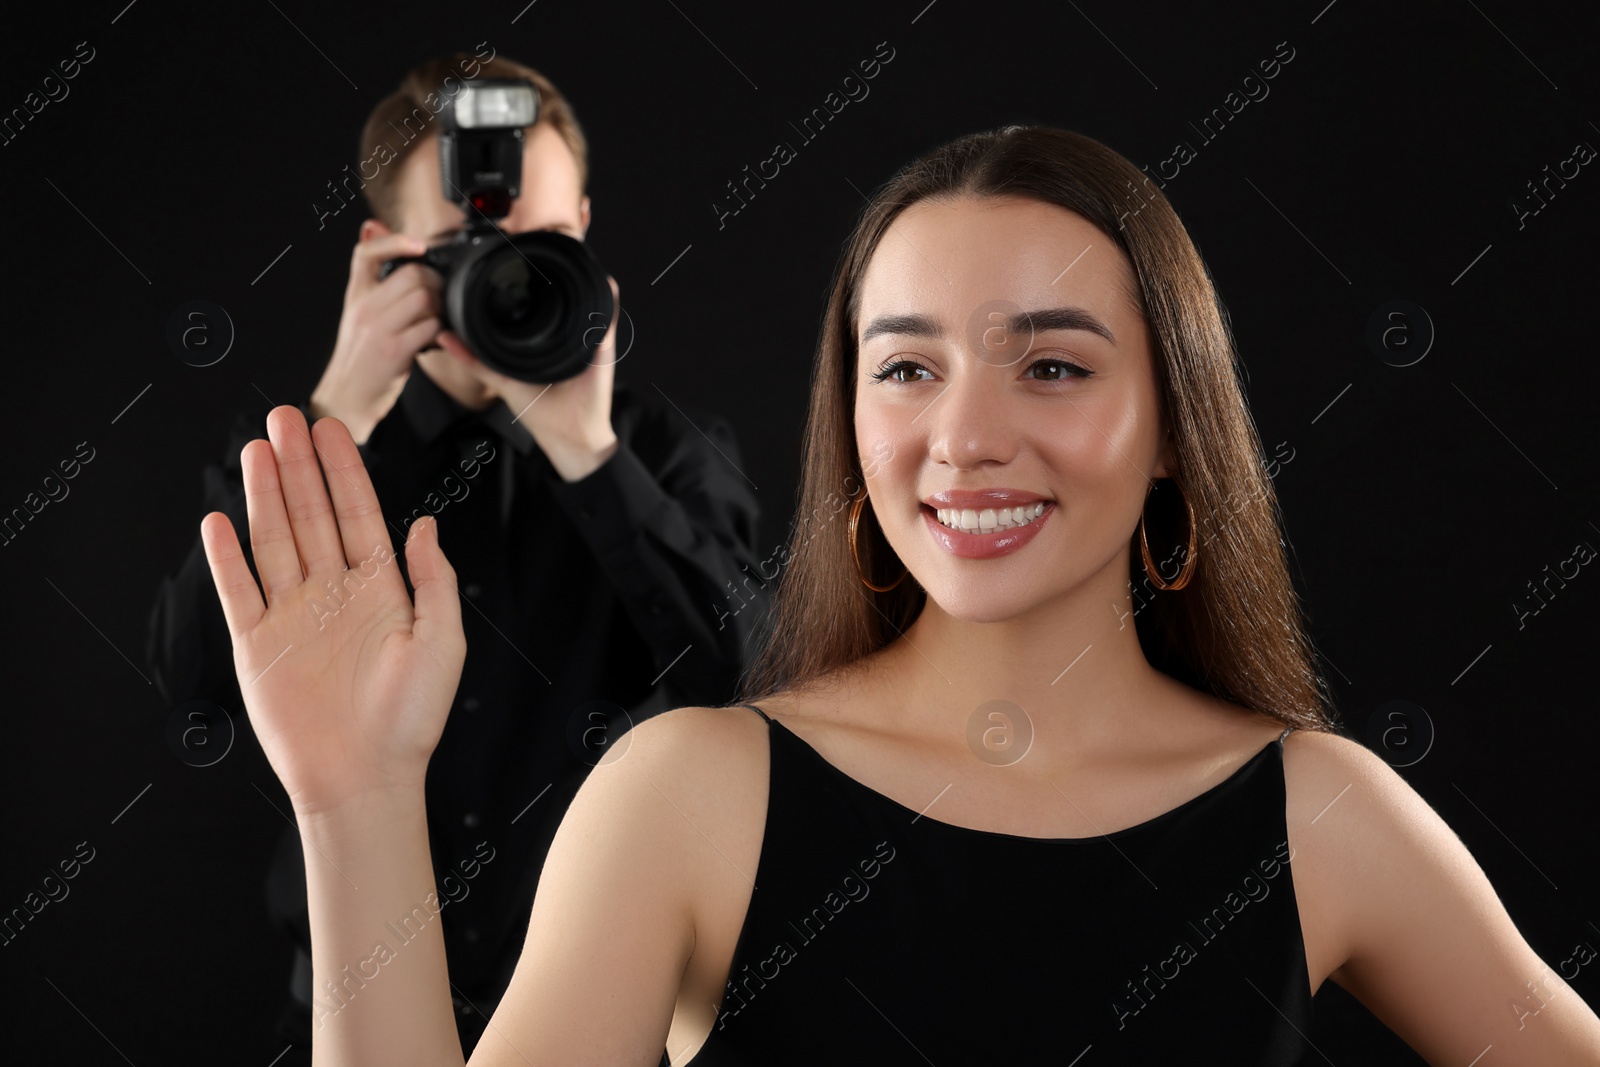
x=880 y=935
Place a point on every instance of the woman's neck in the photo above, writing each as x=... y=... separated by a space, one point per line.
x=1072 y=664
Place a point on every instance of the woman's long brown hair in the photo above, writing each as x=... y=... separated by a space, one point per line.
x=1235 y=631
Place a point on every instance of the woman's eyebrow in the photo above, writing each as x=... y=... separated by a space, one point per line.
x=1039 y=321
x=903 y=325
x=1062 y=318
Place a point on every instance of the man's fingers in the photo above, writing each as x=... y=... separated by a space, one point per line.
x=236 y=586
x=368 y=257
x=451 y=342
x=605 y=353
x=419 y=335
x=408 y=306
x=364 y=534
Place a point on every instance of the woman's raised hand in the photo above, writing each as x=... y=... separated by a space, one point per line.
x=347 y=685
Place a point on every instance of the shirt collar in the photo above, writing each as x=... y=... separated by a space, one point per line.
x=431 y=411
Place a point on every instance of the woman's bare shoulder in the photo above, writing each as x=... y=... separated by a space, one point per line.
x=640 y=887
x=1408 y=921
x=694 y=744
x=1347 y=802
x=1354 y=825
x=1321 y=766
x=691 y=787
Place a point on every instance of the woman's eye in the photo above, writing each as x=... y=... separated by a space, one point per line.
x=1043 y=370
x=894 y=369
x=1057 y=370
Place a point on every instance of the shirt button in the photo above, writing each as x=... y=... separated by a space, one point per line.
x=471 y=934
x=471 y=819
x=470 y=704
x=472 y=589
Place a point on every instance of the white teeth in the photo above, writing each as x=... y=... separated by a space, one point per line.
x=989 y=519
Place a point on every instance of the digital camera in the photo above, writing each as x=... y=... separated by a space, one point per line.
x=533 y=306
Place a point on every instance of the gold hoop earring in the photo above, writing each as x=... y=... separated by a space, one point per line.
x=855 y=520
x=1190 y=559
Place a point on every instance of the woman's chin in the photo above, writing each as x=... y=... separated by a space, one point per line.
x=979 y=601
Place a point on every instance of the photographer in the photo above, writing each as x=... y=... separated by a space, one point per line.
x=598 y=530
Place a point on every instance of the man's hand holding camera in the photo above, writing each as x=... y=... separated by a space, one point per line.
x=570 y=420
x=382 y=327
x=523 y=310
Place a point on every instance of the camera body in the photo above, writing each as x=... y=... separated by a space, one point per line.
x=533 y=306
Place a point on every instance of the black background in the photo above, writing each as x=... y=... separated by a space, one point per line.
x=1384 y=164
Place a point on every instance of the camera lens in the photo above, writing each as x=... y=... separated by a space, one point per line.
x=528 y=304
x=513 y=306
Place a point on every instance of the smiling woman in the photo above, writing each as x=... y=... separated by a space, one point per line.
x=1071 y=802
x=1054 y=231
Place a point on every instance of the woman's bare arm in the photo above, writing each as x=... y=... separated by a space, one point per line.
x=607 y=945
x=348 y=683
x=641 y=848
x=1422 y=939
x=380 y=991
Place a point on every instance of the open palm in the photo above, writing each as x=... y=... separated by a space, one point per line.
x=346 y=683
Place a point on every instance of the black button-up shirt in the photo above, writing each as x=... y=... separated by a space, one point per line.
x=587 y=605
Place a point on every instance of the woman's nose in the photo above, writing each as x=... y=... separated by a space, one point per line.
x=973 y=420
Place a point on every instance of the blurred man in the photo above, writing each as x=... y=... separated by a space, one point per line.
x=596 y=534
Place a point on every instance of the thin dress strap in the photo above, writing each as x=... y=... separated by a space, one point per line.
x=1285 y=733
x=759 y=712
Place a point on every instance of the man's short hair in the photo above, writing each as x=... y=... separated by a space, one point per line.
x=402 y=118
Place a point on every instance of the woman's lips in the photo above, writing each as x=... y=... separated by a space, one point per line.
x=983 y=545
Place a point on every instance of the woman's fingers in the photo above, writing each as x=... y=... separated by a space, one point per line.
x=296 y=532
x=311 y=516
x=361 y=527
x=236 y=586
x=271 y=539
x=438 y=605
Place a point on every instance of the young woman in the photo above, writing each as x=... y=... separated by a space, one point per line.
x=1032 y=764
